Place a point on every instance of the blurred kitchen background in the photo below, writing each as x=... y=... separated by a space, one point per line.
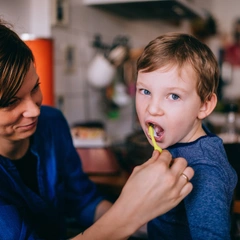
x=80 y=31
x=86 y=51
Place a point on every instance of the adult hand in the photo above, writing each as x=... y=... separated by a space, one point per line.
x=155 y=187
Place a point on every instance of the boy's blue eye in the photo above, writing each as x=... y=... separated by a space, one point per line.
x=146 y=92
x=174 y=96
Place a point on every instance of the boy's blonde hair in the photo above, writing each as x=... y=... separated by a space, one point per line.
x=178 y=49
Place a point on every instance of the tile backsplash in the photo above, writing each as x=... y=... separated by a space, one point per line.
x=80 y=101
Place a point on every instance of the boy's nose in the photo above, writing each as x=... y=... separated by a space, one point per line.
x=154 y=108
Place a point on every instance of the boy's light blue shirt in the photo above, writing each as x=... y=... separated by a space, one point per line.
x=64 y=188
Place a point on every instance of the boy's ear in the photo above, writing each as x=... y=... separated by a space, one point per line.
x=207 y=107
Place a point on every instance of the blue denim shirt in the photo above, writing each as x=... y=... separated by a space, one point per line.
x=63 y=187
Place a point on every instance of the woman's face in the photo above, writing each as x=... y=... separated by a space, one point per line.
x=19 y=119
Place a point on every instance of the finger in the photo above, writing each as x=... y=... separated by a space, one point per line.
x=185 y=177
x=153 y=158
x=178 y=166
x=184 y=186
x=187 y=188
x=189 y=173
x=165 y=157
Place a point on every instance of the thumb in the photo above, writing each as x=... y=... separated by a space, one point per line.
x=154 y=157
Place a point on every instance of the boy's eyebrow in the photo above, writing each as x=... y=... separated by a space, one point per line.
x=142 y=85
x=139 y=82
x=177 y=88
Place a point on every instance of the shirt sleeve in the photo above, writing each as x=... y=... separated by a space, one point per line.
x=208 y=206
x=13 y=224
x=81 y=195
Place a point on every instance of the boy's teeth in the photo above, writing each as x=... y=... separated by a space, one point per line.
x=154 y=130
x=155 y=134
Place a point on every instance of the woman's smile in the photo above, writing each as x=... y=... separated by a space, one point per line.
x=28 y=126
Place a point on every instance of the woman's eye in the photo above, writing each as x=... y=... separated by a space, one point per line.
x=174 y=96
x=145 y=92
x=36 y=87
x=11 y=103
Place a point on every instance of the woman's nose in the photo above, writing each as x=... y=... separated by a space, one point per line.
x=31 y=108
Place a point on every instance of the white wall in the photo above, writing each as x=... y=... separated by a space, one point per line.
x=40 y=18
x=28 y=16
x=17 y=13
x=225 y=13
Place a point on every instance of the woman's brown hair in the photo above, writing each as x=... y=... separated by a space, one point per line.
x=15 y=60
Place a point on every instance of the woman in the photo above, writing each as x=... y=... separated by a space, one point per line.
x=41 y=179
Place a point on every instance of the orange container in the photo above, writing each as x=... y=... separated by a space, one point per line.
x=43 y=53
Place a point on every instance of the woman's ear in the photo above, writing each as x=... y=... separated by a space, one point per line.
x=207 y=107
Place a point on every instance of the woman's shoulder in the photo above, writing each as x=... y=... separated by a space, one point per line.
x=51 y=117
x=50 y=112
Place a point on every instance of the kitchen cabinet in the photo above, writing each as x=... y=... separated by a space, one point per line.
x=154 y=9
x=110 y=185
x=101 y=165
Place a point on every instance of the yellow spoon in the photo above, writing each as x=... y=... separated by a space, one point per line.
x=151 y=132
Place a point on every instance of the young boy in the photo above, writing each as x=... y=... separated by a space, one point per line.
x=176 y=89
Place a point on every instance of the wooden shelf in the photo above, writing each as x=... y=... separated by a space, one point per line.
x=236 y=206
x=117 y=180
x=110 y=185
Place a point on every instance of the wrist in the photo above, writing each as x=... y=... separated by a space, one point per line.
x=115 y=224
x=112 y=225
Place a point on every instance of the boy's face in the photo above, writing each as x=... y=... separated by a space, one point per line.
x=167 y=98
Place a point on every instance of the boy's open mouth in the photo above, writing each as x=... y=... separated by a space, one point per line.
x=158 y=131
